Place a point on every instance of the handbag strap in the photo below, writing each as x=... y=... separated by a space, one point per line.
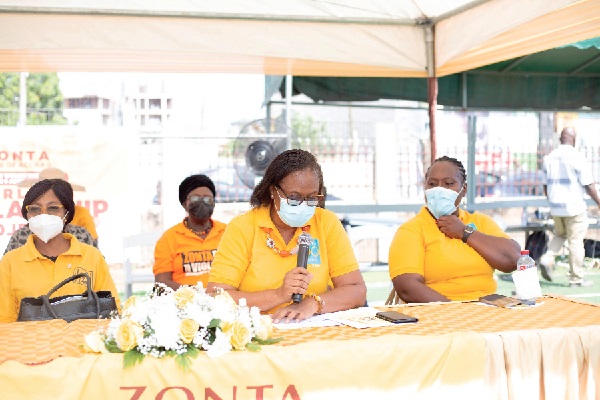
x=90 y=293
x=71 y=279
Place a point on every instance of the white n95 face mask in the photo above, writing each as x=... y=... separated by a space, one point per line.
x=46 y=226
x=440 y=201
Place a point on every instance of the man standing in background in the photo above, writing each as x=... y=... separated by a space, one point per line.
x=567 y=177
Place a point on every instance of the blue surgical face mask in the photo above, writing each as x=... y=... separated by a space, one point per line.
x=295 y=216
x=441 y=201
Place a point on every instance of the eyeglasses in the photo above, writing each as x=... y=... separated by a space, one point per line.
x=209 y=201
x=294 y=200
x=52 y=209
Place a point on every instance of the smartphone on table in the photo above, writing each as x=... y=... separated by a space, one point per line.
x=396 y=317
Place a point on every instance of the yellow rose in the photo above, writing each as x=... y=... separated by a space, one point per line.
x=188 y=330
x=224 y=296
x=94 y=343
x=129 y=304
x=264 y=330
x=238 y=334
x=184 y=295
x=127 y=335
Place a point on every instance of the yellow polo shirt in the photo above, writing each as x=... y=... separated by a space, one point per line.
x=24 y=272
x=83 y=218
x=244 y=261
x=187 y=255
x=449 y=266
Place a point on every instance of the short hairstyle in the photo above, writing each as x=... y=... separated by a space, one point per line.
x=192 y=182
x=283 y=165
x=458 y=164
x=62 y=190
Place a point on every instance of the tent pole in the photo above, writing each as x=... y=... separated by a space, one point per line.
x=471 y=177
x=23 y=99
x=432 y=87
x=288 y=109
x=464 y=91
x=432 y=91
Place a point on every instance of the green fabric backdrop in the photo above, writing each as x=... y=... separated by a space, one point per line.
x=564 y=78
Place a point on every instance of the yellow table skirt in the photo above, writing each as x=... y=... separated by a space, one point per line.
x=456 y=351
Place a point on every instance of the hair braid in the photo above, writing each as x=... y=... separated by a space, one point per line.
x=458 y=164
x=284 y=164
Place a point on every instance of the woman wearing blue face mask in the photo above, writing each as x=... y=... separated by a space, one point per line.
x=258 y=254
x=445 y=253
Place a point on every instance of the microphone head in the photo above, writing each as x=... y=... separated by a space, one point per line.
x=305 y=238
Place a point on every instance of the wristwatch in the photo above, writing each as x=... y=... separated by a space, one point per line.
x=467 y=232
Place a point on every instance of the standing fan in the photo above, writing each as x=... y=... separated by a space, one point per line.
x=258 y=143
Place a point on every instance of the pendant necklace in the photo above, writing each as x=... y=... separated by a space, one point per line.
x=276 y=250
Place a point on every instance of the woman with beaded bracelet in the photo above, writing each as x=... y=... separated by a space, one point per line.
x=257 y=255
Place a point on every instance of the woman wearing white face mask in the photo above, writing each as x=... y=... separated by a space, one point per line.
x=257 y=256
x=49 y=256
x=445 y=253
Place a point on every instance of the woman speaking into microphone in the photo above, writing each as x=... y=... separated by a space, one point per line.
x=258 y=254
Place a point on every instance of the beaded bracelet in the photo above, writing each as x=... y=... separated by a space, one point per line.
x=319 y=301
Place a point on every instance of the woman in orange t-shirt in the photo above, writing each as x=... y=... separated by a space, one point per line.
x=184 y=253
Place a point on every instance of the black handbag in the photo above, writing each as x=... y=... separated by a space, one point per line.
x=88 y=305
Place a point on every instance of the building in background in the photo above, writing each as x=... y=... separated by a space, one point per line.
x=91 y=110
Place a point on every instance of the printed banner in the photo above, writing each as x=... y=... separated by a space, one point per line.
x=103 y=161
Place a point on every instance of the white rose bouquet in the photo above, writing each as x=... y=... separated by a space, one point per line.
x=180 y=323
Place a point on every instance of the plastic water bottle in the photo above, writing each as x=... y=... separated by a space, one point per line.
x=525 y=261
x=526 y=279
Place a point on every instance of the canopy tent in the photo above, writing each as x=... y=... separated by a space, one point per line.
x=376 y=38
x=564 y=78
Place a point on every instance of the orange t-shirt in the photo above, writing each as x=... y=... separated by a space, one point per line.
x=185 y=254
x=83 y=218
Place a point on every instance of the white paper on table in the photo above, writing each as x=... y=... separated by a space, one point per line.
x=360 y=318
x=312 y=322
x=527 y=283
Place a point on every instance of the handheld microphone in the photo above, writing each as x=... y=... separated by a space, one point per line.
x=304 y=241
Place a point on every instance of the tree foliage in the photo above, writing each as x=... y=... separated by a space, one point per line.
x=307 y=130
x=44 y=99
x=9 y=98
